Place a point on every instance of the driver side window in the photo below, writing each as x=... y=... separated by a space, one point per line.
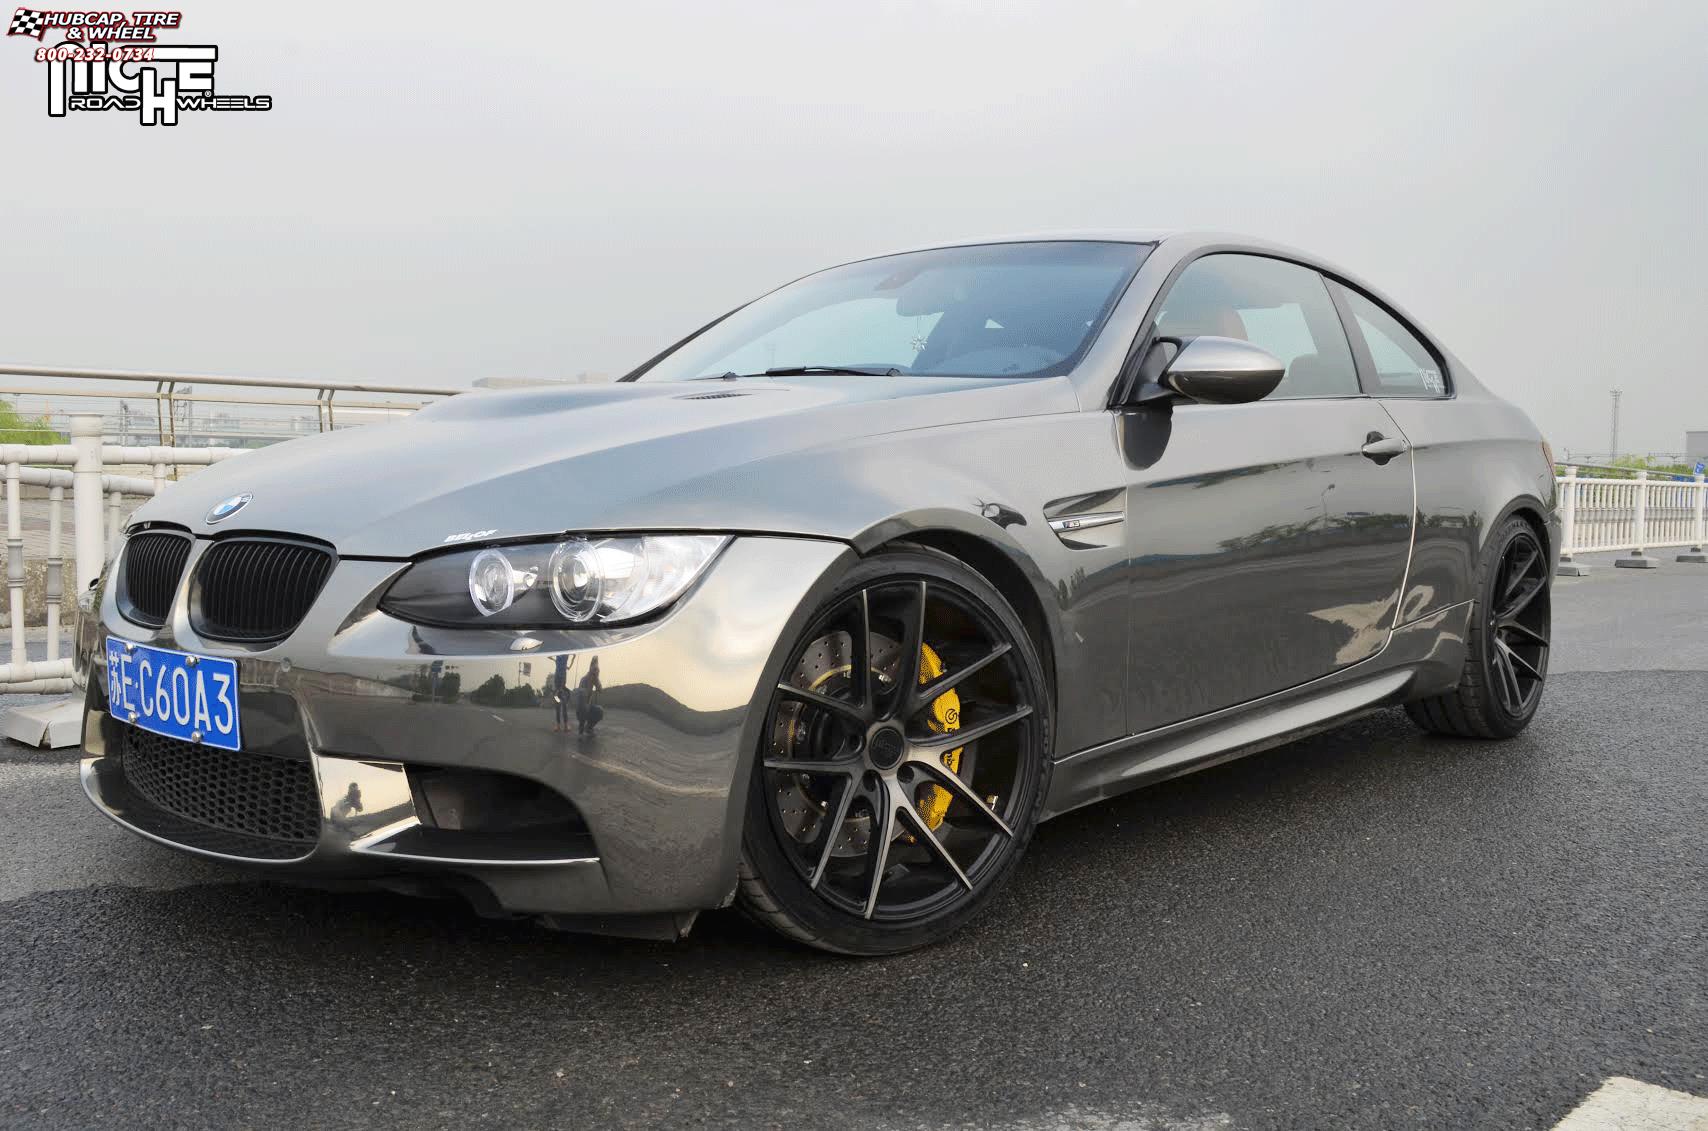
x=1279 y=306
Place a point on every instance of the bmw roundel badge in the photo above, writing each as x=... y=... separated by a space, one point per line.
x=225 y=508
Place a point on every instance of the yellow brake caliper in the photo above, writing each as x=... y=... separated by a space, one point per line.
x=945 y=717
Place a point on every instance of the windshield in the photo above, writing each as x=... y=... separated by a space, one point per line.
x=994 y=310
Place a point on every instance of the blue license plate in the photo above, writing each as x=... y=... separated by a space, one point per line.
x=174 y=693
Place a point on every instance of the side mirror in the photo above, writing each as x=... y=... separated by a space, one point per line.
x=1222 y=371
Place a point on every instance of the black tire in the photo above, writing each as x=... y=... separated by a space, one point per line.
x=808 y=890
x=1506 y=662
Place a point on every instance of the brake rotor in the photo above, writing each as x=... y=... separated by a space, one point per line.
x=804 y=801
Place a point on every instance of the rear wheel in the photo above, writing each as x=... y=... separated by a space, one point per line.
x=903 y=762
x=1506 y=665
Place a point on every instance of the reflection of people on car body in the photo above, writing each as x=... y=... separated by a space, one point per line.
x=587 y=709
x=561 y=694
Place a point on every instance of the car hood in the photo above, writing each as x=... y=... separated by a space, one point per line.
x=543 y=461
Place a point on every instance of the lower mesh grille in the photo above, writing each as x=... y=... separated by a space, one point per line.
x=253 y=794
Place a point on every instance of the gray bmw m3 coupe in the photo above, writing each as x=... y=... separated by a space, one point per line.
x=822 y=609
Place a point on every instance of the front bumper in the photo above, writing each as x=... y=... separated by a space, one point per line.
x=367 y=699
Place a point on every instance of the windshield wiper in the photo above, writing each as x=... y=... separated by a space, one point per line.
x=852 y=370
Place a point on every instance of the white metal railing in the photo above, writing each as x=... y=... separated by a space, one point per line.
x=202 y=408
x=1598 y=515
x=1636 y=515
x=97 y=506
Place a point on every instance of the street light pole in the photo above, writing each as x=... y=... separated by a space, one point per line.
x=1613 y=442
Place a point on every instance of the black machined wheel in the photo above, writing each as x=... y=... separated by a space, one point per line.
x=1517 y=633
x=1511 y=624
x=902 y=763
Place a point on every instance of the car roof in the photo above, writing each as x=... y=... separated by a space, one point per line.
x=1176 y=236
x=1101 y=235
x=1185 y=241
x=1110 y=235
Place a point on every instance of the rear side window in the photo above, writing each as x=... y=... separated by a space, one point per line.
x=1279 y=306
x=1404 y=366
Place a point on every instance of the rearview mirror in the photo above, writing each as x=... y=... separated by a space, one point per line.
x=1215 y=370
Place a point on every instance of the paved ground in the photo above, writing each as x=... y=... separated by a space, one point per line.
x=1367 y=929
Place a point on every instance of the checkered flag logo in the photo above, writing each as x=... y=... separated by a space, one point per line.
x=26 y=22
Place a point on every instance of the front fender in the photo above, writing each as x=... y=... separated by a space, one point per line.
x=987 y=485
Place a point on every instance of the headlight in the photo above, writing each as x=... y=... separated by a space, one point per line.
x=566 y=584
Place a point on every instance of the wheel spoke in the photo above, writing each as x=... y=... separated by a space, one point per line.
x=1525 y=630
x=913 y=637
x=1517 y=688
x=953 y=782
x=844 y=799
x=1518 y=569
x=923 y=832
x=1509 y=690
x=1526 y=594
x=948 y=681
x=1518 y=661
x=841 y=767
x=951 y=739
x=884 y=831
x=860 y=653
x=839 y=707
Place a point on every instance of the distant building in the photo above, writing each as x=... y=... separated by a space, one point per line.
x=1696 y=447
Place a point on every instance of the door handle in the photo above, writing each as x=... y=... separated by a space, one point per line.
x=1382 y=448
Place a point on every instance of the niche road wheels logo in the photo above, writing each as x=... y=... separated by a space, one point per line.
x=115 y=61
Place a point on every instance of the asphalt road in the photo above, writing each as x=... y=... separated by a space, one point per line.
x=1367 y=929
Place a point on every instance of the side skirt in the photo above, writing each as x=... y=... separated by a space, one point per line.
x=1422 y=658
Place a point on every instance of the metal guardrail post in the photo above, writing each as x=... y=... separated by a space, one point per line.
x=161 y=408
x=1639 y=558
x=1569 y=525
x=1699 y=530
x=54 y=593
x=15 y=561
x=86 y=498
x=1640 y=524
x=115 y=501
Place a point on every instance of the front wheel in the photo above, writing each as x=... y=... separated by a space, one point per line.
x=903 y=762
x=1506 y=665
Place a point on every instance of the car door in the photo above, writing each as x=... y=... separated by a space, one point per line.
x=1450 y=448
x=1269 y=540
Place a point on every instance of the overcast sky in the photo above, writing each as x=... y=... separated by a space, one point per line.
x=445 y=192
